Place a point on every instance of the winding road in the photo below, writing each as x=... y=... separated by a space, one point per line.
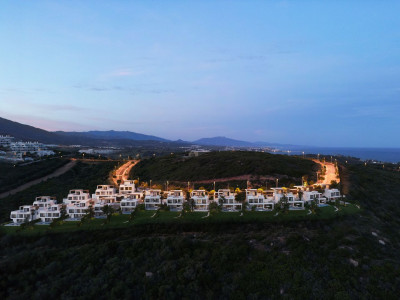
x=330 y=172
x=122 y=173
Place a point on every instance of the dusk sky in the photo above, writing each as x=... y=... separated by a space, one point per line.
x=298 y=72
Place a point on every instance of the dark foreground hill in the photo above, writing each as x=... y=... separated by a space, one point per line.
x=215 y=165
x=354 y=257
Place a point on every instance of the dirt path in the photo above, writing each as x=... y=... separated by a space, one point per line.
x=56 y=173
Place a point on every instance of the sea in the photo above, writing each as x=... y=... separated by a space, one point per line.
x=391 y=155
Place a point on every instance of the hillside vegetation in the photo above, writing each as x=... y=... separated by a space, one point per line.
x=350 y=257
x=347 y=257
x=222 y=164
x=12 y=176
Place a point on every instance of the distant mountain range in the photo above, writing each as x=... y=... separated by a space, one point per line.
x=107 y=138
x=222 y=141
x=113 y=135
x=90 y=138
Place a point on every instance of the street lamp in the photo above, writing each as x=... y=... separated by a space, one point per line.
x=150 y=183
x=277 y=180
x=214 y=185
x=303 y=154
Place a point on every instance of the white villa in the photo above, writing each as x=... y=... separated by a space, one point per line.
x=152 y=199
x=227 y=199
x=105 y=194
x=129 y=202
x=78 y=202
x=294 y=201
x=44 y=207
x=127 y=187
x=48 y=209
x=256 y=199
x=201 y=200
x=175 y=199
x=25 y=213
x=332 y=194
x=309 y=196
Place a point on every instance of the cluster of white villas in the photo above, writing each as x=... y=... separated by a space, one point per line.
x=127 y=198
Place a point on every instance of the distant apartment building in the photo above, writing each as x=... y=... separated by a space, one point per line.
x=6 y=140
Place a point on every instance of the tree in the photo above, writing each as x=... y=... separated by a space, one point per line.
x=108 y=211
x=240 y=197
x=214 y=207
x=314 y=207
x=284 y=204
x=192 y=204
x=300 y=194
x=221 y=201
x=245 y=205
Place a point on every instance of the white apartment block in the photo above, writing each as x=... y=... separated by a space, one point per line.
x=201 y=200
x=175 y=199
x=6 y=140
x=152 y=199
x=227 y=200
x=255 y=198
x=26 y=146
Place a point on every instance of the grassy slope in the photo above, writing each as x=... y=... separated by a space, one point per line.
x=299 y=259
x=167 y=218
x=12 y=177
x=84 y=176
x=222 y=164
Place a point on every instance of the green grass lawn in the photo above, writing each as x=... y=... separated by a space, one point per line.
x=166 y=217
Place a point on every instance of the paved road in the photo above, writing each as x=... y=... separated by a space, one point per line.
x=56 y=173
x=122 y=173
x=330 y=172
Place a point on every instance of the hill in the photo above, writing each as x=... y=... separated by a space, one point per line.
x=30 y=133
x=91 y=138
x=222 y=164
x=113 y=135
x=349 y=257
x=222 y=141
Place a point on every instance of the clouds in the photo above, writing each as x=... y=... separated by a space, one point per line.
x=267 y=71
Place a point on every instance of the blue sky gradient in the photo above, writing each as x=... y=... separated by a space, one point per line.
x=299 y=72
